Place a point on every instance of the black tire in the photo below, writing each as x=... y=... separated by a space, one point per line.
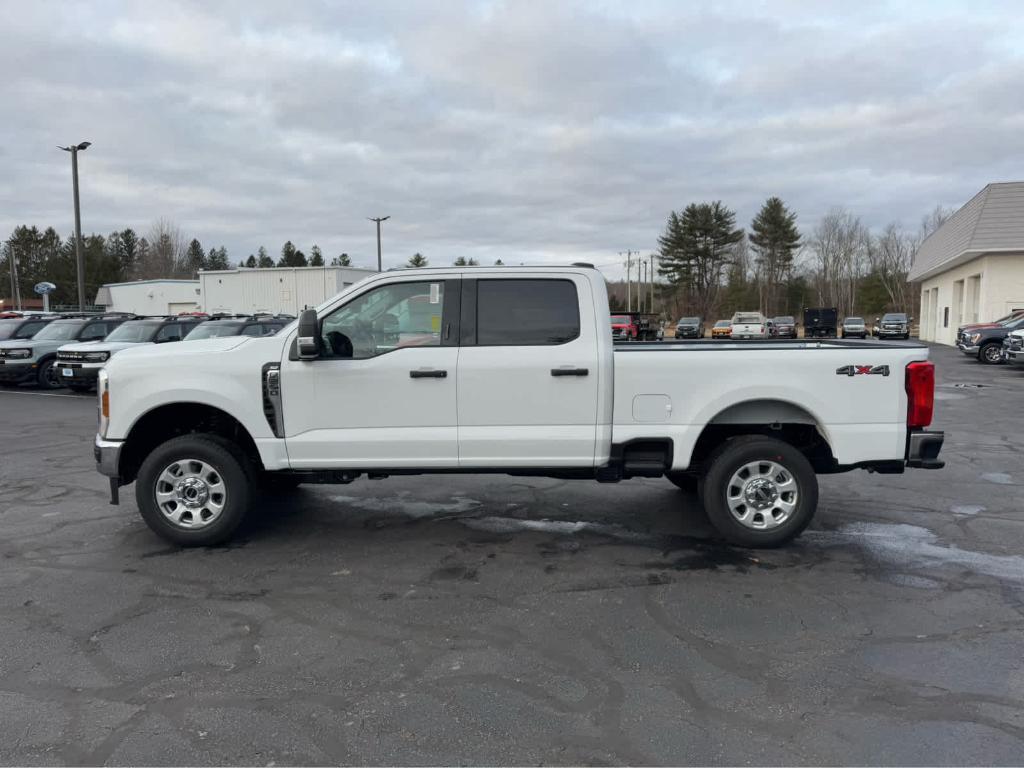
x=46 y=375
x=228 y=462
x=991 y=353
x=731 y=458
x=685 y=481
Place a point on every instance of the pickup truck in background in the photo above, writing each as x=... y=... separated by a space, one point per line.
x=635 y=326
x=986 y=343
x=821 y=322
x=749 y=325
x=503 y=370
x=892 y=325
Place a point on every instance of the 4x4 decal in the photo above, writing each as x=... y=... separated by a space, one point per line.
x=863 y=370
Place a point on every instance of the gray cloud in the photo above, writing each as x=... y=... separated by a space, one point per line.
x=521 y=130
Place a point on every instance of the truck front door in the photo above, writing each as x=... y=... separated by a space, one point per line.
x=528 y=372
x=382 y=392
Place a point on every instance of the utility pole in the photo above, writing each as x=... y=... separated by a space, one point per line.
x=380 y=264
x=629 y=278
x=642 y=287
x=79 y=261
x=15 y=288
x=652 y=282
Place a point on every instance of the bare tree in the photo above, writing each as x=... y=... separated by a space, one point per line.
x=165 y=256
x=932 y=221
x=839 y=244
x=890 y=256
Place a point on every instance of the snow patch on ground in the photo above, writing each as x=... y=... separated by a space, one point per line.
x=912 y=547
x=966 y=509
x=563 y=527
x=401 y=506
x=1000 y=478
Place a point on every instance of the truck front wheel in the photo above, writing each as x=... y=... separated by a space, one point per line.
x=759 y=491
x=195 y=490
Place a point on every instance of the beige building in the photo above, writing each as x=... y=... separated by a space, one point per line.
x=971 y=269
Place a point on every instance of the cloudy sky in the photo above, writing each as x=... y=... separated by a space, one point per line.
x=522 y=130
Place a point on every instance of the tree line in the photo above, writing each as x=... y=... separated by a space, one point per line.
x=125 y=255
x=712 y=268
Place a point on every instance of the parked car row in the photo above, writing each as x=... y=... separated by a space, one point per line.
x=55 y=351
x=818 y=323
x=992 y=343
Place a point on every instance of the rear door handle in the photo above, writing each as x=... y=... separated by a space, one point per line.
x=428 y=374
x=570 y=371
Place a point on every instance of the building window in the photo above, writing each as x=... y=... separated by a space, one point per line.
x=945 y=317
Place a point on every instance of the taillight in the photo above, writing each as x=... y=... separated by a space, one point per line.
x=920 y=394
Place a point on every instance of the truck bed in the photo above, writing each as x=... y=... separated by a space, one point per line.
x=853 y=392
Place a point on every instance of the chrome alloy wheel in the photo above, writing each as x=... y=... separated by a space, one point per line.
x=762 y=495
x=190 y=493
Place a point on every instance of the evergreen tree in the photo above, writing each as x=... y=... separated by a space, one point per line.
x=499 y=263
x=263 y=259
x=316 y=258
x=195 y=258
x=462 y=261
x=695 y=249
x=217 y=258
x=774 y=239
x=129 y=253
x=341 y=261
x=287 y=255
x=299 y=260
x=250 y=262
x=417 y=260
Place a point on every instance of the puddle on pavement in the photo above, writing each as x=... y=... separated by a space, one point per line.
x=1000 y=478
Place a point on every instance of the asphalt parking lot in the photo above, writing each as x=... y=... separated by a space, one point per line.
x=490 y=620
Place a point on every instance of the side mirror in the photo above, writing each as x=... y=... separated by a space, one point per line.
x=307 y=343
x=878 y=319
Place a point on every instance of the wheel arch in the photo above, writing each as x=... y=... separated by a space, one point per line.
x=170 y=420
x=773 y=417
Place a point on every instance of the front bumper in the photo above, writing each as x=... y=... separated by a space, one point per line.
x=923 y=449
x=16 y=372
x=80 y=373
x=108 y=456
x=687 y=333
x=1013 y=355
x=884 y=332
x=968 y=349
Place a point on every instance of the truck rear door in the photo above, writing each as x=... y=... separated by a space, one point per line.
x=528 y=372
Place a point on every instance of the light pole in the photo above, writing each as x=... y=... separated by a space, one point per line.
x=79 y=263
x=380 y=265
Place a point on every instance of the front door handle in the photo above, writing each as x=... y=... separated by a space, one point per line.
x=425 y=373
x=570 y=371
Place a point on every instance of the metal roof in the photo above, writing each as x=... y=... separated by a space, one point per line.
x=991 y=221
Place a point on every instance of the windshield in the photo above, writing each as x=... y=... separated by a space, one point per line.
x=723 y=324
x=60 y=330
x=784 y=320
x=213 y=331
x=853 y=321
x=689 y=321
x=620 y=319
x=748 y=319
x=134 y=332
x=894 y=317
x=8 y=327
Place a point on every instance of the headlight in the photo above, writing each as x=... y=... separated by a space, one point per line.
x=97 y=357
x=103 y=394
x=975 y=337
x=19 y=354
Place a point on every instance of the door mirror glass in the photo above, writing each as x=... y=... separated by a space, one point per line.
x=307 y=344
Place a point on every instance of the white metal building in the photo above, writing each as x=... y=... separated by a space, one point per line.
x=150 y=297
x=971 y=269
x=275 y=290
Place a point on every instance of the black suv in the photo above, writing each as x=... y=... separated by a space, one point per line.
x=239 y=325
x=987 y=343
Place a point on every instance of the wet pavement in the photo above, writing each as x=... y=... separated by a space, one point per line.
x=490 y=620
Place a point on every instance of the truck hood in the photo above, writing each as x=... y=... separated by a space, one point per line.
x=99 y=346
x=181 y=349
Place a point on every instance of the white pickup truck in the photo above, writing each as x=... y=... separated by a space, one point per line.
x=506 y=370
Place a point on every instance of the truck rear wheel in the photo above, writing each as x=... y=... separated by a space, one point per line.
x=759 y=491
x=195 y=490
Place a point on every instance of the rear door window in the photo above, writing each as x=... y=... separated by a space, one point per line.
x=525 y=312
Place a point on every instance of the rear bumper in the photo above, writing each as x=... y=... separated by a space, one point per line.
x=923 y=449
